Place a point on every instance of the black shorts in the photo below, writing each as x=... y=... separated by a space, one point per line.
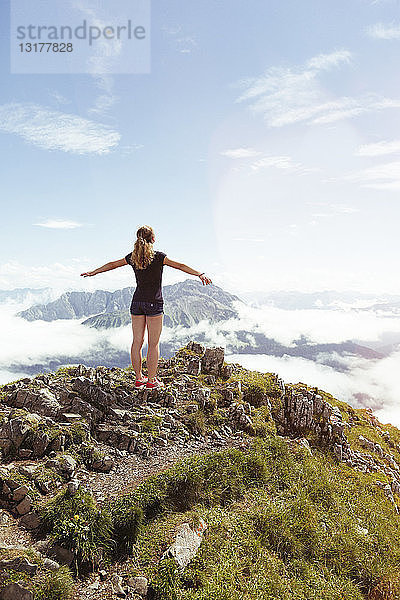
x=151 y=309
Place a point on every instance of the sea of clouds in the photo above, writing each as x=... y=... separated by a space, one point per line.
x=373 y=383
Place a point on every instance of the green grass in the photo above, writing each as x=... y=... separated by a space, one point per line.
x=46 y=585
x=76 y=523
x=280 y=525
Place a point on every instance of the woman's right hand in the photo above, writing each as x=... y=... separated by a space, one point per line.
x=205 y=280
x=88 y=274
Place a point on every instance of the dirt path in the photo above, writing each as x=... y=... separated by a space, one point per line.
x=131 y=470
x=126 y=476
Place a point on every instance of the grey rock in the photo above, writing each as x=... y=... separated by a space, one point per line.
x=40 y=443
x=71 y=417
x=212 y=361
x=25 y=453
x=67 y=464
x=24 y=506
x=186 y=544
x=161 y=442
x=196 y=348
x=20 y=564
x=61 y=555
x=116 y=583
x=103 y=465
x=138 y=585
x=30 y=521
x=20 y=493
x=202 y=395
x=194 y=366
x=365 y=443
x=338 y=451
x=86 y=410
x=15 y=591
x=118 y=413
x=93 y=393
x=95 y=585
x=226 y=371
x=14 y=431
x=73 y=486
x=27 y=470
x=51 y=565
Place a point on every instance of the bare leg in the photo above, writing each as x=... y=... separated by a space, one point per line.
x=154 y=327
x=138 y=329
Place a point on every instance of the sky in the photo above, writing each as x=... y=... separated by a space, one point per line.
x=263 y=147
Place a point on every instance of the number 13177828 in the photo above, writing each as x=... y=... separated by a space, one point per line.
x=46 y=47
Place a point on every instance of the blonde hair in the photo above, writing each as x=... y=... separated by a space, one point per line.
x=143 y=252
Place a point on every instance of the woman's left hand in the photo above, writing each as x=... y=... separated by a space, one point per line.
x=205 y=280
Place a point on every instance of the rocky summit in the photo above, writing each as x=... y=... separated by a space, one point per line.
x=225 y=482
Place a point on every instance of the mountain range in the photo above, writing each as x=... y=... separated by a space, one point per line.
x=187 y=303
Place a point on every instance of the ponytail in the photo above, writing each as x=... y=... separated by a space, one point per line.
x=143 y=252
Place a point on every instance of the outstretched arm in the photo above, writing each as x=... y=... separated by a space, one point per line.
x=107 y=267
x=182 y=267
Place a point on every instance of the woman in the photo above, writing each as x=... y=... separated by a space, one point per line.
x=147 y=302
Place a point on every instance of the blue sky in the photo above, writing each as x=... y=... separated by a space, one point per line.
x=263 y=147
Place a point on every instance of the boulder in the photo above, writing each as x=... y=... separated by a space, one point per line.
x=196 y=348
x=86 y=410
x=20 y=564
x=116 y=583
x=61 y=555
x=194 y=366
x=186 y=544
x=212 y=361
x=103 y=465
x=138 y=585
x=14 y=432
x=73 y=487
x=15 y=591
x=226 y=371
x=93 y=393
x=40 y=443
x=67 y=465
x=50 y=565
x=30 y=521
x=20 y=493
x=24 y=506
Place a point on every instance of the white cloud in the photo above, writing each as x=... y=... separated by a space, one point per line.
x=53 y=130
x=326 y=61
x=287 y=95
x=319 y=326
x=28 y=343
x=241 y=153
x=379 y=148
x=380 y=31
x=101 y=61
x=248 y=240
x=185 y=44
x=281 y=162
x=344 y=209
x=59 y=224
x=380 y=177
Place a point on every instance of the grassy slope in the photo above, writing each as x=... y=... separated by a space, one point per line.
x=281 y=524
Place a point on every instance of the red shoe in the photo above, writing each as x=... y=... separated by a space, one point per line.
x=154 y=385
x=140 y=383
